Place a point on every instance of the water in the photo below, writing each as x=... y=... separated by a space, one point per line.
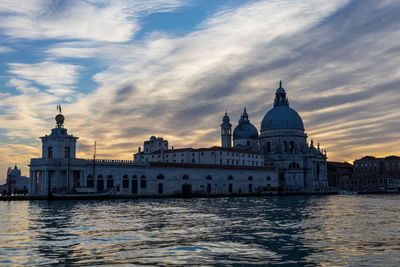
x=352 y=230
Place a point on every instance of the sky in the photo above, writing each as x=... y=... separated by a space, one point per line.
x=126 y=70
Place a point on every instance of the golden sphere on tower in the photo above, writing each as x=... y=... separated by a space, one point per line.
x=60 y=119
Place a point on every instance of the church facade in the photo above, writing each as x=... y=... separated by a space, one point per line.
x=277 y=159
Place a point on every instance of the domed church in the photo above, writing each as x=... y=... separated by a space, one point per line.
x=283 y=144
x=278 y=158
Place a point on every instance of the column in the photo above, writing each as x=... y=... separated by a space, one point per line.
x=40 y=183
x=45 y=176
x=81 y=179
x=31 y=183
x=70 y=177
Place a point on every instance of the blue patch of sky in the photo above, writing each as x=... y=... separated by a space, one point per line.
x=90 y=67
x=183 y=20
x=25 y=52
x=33 y=52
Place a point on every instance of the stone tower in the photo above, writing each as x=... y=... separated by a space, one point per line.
x=226 y=132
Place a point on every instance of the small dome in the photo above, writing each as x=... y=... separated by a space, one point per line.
x=153 y=138
x=245 y=130
x=282 y=117
x=225 y=119
x=15 y=172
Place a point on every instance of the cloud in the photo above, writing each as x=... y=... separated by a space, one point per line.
x=338 y=61
x=22 y=86
x=60 y=78
x=5 y=49
x=107 y=21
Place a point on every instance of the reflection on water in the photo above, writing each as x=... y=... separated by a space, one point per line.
x=323 y=230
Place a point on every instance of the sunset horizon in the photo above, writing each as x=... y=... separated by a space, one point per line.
x=125 y=71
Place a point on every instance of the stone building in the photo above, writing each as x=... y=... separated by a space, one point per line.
x=340 y=175
x=279 y=158
x=158 y=172
x=373 y=174
x=16 y=183
x=282 y=143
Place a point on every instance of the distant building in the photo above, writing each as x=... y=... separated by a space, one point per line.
x=15 y=183
x=340 y=174
x=376 y=174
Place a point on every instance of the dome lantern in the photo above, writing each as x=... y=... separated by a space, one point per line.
x=280 y=97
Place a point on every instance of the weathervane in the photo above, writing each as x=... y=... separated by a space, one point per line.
x=59 y=108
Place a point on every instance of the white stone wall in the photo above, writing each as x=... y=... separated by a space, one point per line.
x=174 y=178
x=58 y=144
x=200 y=156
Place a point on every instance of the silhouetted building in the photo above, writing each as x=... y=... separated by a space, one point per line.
x=339 y=174
x=376 y=174
x=15 y=183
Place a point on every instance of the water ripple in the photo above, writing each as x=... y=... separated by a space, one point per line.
x=323 y=230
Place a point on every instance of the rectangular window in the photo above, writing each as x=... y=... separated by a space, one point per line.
x=143 y=183
x=160 y=188
x=125 y=183
x=50 y=152
x=66 y=153
x=90 y=182
x=230 y=188
x=209 y=188
x=134 y=186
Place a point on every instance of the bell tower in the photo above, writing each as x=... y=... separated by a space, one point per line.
x=226 y=131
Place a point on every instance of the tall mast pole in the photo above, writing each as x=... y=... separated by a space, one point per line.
x=94 y=162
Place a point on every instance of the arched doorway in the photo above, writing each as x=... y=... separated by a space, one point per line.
x=186 y=189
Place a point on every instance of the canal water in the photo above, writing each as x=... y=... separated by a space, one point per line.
x=356 y=230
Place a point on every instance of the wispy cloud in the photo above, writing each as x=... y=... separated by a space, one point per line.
x=5 y=49
x=110 y=21
x=59 y=78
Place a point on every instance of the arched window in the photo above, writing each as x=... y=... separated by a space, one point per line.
x=100 y=183
x=110 y=181
x=268 y=178
x=160 y=177
x=90 y=181
x=208 y=177
x=230 y=177
x=291 y=147
x=185 y=177
x=143 y=182
x=125 y=181
x=250 y=178
x=134 y=185
x=268 y=147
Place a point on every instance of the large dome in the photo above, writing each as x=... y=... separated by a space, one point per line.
x=282 y=117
